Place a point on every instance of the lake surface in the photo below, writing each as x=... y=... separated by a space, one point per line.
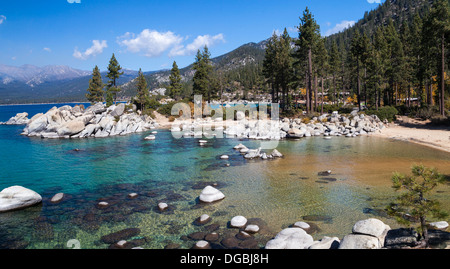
x=273 y=193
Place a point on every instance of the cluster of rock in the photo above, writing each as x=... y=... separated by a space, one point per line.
x=18 y=119
x=333 y=125
x=328 y=125
x=95 y=121
x=366 y=234
x=257 y=153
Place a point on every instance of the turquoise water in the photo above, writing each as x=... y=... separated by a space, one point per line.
x=274 y=194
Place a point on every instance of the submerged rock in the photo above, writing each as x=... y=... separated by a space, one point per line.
x=18 y=197
x=57 y=198
x=120 y=235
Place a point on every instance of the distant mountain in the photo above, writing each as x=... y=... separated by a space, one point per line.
x=33 y=75
x=32 y=84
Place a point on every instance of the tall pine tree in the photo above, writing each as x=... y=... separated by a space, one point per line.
x=95 y=90
x=113 y=74
x=308 y=36
x=143 y=94
x=202 y=77
x=175 y=86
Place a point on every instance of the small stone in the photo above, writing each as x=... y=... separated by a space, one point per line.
x=132 y=195
x=57 y=198
x=203 y=219
x=121 y=244
x=162 y=206
x=238 y=222
x=243 y=235
x=302 y=224
x=439 y=225
x=252 y=228
x=212 y=237
x=103 y=204
x=224 y=157
x=202 y=244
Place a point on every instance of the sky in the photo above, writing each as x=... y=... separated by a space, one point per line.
x=152 y=34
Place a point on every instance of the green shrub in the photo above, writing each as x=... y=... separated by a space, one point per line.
x=166 y=109
x=384 y=113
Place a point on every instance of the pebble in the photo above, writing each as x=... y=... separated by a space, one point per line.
x=238 y=222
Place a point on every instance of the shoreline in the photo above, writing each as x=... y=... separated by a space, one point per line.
x=418 y=132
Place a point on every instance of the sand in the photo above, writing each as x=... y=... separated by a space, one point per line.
x=418 y=131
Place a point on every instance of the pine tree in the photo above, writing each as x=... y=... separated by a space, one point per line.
x=269 y=66
x=143 y=94
x=113 y=74
x=202 y=77
x=323 y=66
x=440 y=21
x=175 y=86
x=95 y=90
x=335 y=63
x=357 y=51
x=414 y=202
x=308 y=35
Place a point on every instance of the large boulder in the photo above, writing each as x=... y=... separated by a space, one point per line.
x=210 y=194
x=71 y=127
x=360 y=241
x=291 y=238
x=118 y=110
x=36 y=124
x=17 y=197
x=366 y=234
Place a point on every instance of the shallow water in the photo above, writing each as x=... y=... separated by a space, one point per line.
x=276 y=193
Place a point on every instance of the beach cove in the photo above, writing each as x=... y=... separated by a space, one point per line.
x=274 y=193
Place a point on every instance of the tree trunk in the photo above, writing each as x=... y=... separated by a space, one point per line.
x=322 y=98
x=359 y=84
x=307 y=92
x=365 y=86
x=441 y=105
x=409 y=95
x=310 y=79
x=316 y=96
x=334 y=86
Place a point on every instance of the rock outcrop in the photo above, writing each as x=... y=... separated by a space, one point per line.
x=18 y=119
x=95 y=121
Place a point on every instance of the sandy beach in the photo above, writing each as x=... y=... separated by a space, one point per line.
x=418 y=131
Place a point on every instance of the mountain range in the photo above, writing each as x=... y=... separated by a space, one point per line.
x=59 y=83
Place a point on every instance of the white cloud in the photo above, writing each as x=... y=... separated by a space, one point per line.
x=97 y=48
x=374 y=1
x=340 y=27
x=47 y=49
x=2 y=19
x=198 y=43
x=152 y=43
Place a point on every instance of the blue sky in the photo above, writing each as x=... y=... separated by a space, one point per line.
x=151 y=34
